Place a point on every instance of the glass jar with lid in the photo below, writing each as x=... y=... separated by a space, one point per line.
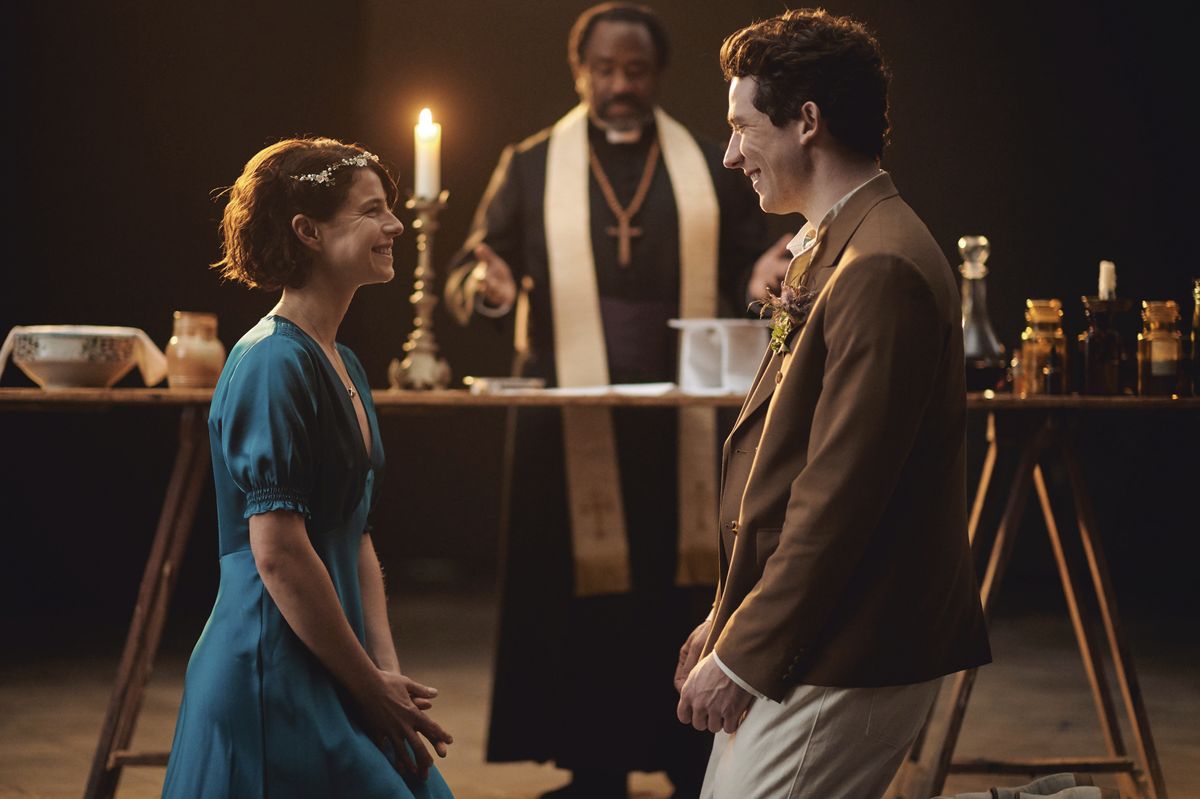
x=1160 y=349
x=195 y=355
x=1043 y=350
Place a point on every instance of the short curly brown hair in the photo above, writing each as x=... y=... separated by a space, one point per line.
x=259 y=246
x=833 y=61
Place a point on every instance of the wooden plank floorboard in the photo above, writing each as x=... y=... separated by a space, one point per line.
x=1034 y=702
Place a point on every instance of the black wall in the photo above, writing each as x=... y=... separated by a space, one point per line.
x=1058 y=130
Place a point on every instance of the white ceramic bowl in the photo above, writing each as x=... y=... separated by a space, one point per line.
x=74 y=356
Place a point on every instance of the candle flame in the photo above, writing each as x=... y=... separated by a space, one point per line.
x=425 y=120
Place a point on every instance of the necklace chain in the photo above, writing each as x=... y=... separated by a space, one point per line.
x=623 y=231
x=332 y=356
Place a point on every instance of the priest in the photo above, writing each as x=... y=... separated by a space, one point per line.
x=597 y=231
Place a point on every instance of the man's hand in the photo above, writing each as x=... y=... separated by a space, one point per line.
x=495 y=278
x=710 y=700
x=770 y=269
x=689 y=653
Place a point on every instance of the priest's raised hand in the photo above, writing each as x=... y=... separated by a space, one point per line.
x=769 y=270
x=495 y=278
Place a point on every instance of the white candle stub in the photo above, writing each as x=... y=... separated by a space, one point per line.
x=1108 y=280
x=427 y=177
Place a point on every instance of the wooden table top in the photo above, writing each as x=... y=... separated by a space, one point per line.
x=392 y=400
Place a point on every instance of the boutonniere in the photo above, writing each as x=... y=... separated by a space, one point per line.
x=789 y=311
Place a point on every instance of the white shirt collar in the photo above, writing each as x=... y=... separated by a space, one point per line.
x=806 y=239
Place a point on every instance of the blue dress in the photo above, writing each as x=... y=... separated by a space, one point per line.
x=261 y=717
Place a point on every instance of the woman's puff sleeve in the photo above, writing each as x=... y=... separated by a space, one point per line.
x=268 y=420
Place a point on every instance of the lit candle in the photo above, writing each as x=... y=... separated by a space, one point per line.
x=427 y=178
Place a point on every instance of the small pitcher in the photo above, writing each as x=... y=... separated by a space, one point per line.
x=194 y=354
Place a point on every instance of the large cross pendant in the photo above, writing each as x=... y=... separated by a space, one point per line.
x=623 y=232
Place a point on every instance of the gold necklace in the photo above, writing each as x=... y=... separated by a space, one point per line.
x=623 y=231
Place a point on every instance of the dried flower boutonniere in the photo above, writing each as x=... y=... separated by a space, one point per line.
x=789 y=311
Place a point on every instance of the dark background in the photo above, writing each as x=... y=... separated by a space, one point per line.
x=1058 y=130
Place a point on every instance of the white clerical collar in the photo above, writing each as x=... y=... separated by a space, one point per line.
x=614 y=136
x=806 y=239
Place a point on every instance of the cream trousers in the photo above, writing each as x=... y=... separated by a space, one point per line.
x=819 y=743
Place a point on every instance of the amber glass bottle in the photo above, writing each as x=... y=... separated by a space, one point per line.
x=1195 y=337
x=1043 y=335
x=1160 y=350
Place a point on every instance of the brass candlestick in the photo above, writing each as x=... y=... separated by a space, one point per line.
x=422 y=367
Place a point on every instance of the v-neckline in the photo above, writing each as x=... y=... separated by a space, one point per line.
x=368 y=451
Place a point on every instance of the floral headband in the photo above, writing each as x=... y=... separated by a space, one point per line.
x=325 y=176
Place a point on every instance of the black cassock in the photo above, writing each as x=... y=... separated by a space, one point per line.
x=587 y=682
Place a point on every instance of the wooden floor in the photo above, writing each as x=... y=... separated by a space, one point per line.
x=1032 y=702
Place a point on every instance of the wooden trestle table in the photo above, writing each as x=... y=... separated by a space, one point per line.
x=1039 y=428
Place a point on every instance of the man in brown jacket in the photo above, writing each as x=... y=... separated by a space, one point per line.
x=847 y=589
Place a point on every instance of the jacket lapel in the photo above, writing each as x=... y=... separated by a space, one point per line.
x=829 y=252
x=755 y=387
x=764 y=387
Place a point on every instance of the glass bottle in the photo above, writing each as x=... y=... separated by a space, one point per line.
x=1015 y=374
x=982 y=351
x=1195 y=337
x=194 y=354
x=1100 y=345
x=1052 y=374
x=1043 y=334
x=1160 y=349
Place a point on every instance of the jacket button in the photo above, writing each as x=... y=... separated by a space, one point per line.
x=733 y=527
x=779 y=377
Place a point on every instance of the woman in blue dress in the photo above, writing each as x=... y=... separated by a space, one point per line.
x=294 y=688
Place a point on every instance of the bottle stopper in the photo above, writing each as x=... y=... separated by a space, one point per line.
x=974 y=251
x=1108 y=280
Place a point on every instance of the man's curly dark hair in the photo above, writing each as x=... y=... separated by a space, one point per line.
x=805 y=55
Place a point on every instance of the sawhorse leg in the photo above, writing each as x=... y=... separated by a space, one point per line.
x=149 y=614
x=924 y=770
x=1122 y=660
x=930 y=760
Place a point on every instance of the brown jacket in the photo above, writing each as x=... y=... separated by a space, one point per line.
x=844 y=554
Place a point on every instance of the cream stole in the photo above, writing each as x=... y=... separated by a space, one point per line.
x=598 y=533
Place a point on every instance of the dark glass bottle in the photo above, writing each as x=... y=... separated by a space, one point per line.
x=1100 y=346
x=982 y=351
